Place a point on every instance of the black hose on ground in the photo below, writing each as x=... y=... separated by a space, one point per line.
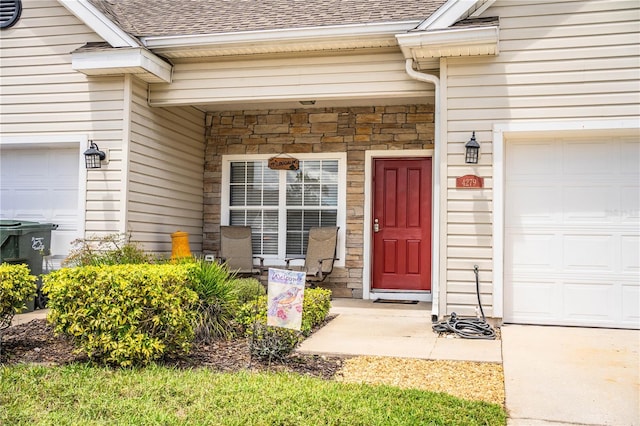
x=468 y=328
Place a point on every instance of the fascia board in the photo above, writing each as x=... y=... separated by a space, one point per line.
x=447 y=15
x=276 y=36
x=447 y=39
x=133 y=58
x=99 y=23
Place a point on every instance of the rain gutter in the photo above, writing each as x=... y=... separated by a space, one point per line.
x=310 y=34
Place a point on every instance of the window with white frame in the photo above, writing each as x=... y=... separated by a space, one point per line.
x=281 y=205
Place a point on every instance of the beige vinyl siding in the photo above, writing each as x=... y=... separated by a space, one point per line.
x=166 y=166
x=326 y=77
x=558 y=60
x=41 y=94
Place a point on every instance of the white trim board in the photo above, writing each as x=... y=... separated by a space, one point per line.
x=505 y=131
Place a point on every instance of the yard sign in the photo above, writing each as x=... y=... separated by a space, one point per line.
x=285 y=294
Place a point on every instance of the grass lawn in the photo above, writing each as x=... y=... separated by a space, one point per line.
x=78 y=394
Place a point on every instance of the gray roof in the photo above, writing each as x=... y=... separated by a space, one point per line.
x=186 y=17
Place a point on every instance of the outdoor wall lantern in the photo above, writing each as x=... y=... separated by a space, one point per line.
x=93 y=156
x=472 y=147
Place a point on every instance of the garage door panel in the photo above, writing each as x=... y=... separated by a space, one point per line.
x=593 y=302
x=630 y=304
x=534 y=301
x=589 y=203
x=630 y=254
x=589 y=253
x=533 y=204
x=629 y=157
x=533 y=159
x=533 y=252
x=572 y=234
x=63 y=198
x=587 y=159
x=629 y=204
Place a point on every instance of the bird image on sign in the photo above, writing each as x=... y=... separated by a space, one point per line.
x=285 y=296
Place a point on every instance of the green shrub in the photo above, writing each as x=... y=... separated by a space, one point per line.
x=113 y=249
x=248 y=289
x=315 y=308
x=124 y=314
x=268 y=342
x=16 y=286
x=217 y=300
x=272 y=343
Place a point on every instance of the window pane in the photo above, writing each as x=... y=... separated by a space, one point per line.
x=269 y=244
x=294 y=220
x=329 y=218
x=270 y=195
x=330 y=171
x=237 y=218
x=312 y=195
x=294 y=176
x=312 y=171
x=264 y=229
x=298 y=224
x=238 y=194
x=270 y=176
x=254 y=195
x=238 y=172
x=294 y=195
x=329 y=195
x=315 y=184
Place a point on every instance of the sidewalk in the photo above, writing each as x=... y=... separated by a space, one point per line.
x=28 y=316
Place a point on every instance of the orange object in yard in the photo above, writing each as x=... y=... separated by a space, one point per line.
x=180 y=245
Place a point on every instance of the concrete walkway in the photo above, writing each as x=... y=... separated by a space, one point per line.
x=28 y=316
x=385 y=329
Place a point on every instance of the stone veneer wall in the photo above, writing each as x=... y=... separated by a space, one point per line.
x=353 y=130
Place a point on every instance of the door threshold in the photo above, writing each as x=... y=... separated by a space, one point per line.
x=424 y=296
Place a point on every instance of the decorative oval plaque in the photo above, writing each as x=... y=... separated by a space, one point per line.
x=469 y=181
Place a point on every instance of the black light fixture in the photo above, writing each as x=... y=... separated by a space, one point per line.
x=472 y=147
x=93 y=156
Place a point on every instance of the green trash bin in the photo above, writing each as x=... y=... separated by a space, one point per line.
x=26 y=242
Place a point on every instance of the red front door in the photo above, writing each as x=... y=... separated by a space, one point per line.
x=402 y=224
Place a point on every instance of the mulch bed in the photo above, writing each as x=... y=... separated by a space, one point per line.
x=35 y=343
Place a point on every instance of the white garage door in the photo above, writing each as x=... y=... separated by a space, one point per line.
x=572 y=232
x=41 y=185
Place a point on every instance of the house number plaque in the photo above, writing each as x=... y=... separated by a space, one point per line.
x=469 y=181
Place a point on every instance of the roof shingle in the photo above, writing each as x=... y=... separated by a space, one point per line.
x=142 y=18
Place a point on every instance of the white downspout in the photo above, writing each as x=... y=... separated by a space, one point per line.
x=435 y=221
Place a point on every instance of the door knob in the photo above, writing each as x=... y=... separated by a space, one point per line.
x=376 y=225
